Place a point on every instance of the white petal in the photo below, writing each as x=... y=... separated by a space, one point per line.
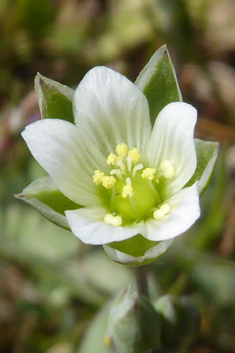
x=149 y=256
x=185 y=211
x=172 y=139
x=70 y=161
x=88 y=225
x=109 y=109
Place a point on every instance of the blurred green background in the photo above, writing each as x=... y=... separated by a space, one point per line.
x=51 y=285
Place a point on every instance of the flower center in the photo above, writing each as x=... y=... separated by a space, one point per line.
x=134 y=191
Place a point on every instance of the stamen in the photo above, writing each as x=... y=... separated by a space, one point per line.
x=115 y=221
x=108 y=181
x=121 y=166
x=129 y=163
x=122 y=150
x=161 y=212
x=127 y=191
x=168 y=169
x=148 y=173
x=165 y=208
x=116 y=172
x=98 y=177
x=136 y=168
x=134 y=154
x=112 y=159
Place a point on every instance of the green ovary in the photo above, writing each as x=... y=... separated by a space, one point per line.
x=135 y=208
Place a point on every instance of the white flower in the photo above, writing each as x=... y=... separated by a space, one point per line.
x=129 y=178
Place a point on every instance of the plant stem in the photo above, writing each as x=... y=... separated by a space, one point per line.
x=142 y=281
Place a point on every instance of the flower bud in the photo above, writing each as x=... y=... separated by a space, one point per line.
x=134 y=324
x=180 y=322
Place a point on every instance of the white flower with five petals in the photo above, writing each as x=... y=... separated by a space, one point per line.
x=128 y=177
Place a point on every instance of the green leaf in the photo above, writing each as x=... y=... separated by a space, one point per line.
x=207 y=153
x=134 y=324
x=180 y=322
x=94 y=340
x=45 y=197
x=54 y=99
x=158 y=82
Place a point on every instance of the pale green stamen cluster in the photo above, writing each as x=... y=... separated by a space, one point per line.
x=133 y=189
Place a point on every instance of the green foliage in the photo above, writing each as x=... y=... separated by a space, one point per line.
x=180 y=323
x=134 y=325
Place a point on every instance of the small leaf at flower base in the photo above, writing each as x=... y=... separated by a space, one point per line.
x=54 y=99
x=207 y=153
x=158 y=82
x=134 y=324
x=180 y=322
x=45 y=197
x=136 y=251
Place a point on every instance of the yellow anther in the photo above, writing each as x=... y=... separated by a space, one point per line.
x=165 y=208
x=112 y=159
x=158 y=214
x=148 y=173
x=168 y=169
x=98 y=177
x=127 y=191
x=108 y=181
x=161 y=212
x=134 y=154
x=122 y=150
x=107 y=341
x=115 y=221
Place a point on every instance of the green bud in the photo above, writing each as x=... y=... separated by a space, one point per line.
x=180 y=322
x=133 y=324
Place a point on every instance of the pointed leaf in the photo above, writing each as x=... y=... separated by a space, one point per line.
x=54 y=99
x=45 y=197
x=134 y=324
x=158 y=82
x=207 y=153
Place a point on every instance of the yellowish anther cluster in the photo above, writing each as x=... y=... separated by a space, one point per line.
x=168 y=169
x=107 y=341
x=148 y=173
x=122 y=150
x=112 y=159
x=115 y=221
x=127 y=191
x=161 y=212
x=98 y=177
x=108 y=181
x=134 y=154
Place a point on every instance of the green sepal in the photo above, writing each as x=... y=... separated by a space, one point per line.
x=54 y=99
x=44 y=196
x=207 y=153
x=136 y=251
x=158 y=82
x=135 y=246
